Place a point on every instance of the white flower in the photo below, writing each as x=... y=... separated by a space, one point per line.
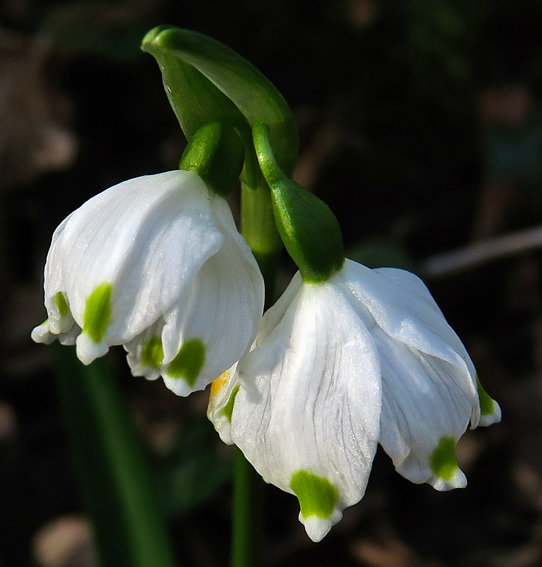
x=157 y=265
x=338 y=367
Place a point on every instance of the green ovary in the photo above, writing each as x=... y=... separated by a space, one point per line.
x=443 y=460
x=188 y=362
x=317 y=496
x=98 y=312
x=487 y=405
x=152 y=353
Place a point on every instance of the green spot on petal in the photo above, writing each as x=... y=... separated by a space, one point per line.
x=443 y=461
x=487 y=405
x=98 y=312
x=188 y=362
x=61 y=304
x=317 y=496
x=227 y=410
x=152 y=353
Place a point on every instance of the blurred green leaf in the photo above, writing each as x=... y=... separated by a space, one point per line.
x=116 y=487
x=194 y=471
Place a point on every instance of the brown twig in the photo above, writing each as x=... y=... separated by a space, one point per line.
x=475 y=255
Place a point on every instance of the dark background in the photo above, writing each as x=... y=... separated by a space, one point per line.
x=421 y=126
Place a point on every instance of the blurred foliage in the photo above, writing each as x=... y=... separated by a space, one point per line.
x=193 y=472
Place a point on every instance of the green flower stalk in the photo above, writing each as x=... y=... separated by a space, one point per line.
x=308 y=228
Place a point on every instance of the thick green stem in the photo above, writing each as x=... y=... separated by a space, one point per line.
x=247 y=514
x=258 y=228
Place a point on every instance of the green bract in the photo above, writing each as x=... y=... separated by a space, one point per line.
x=206 y=81
x=308 y=228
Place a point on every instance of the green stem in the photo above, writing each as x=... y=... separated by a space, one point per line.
x=247 y=504
x=259 y=229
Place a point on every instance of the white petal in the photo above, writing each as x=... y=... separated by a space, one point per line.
x=147 y=237
x=146 y=352
x=413 y=287
x=89 y=350
x=70 y=337
x=489 y=409
x=309 y=401
x=221 y=400
x=424 y=399
x=42 y=334
x=221 y=309
x=403 y=308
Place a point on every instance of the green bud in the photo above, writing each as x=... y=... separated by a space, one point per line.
x=308 y=228
x=206 y=81
x=216 y=153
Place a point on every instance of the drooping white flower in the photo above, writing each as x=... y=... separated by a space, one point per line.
x=155 y=264
x=340 y=366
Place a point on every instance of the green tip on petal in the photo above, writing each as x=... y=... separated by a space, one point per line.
x=152 y=353
x=188 y=362
x=487 y=404
x=61 y=304
x=98 y=312
x=227 y=410
x=317 y=496
x=443 y=461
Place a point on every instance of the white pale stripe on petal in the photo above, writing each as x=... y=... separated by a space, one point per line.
x=403 y=308
x=223 y=309
x=424 y=399
x=147 y=237
x=310 y=397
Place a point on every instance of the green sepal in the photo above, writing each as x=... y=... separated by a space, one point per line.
x=307 y=226
x=206 y=81
x=216 y=153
